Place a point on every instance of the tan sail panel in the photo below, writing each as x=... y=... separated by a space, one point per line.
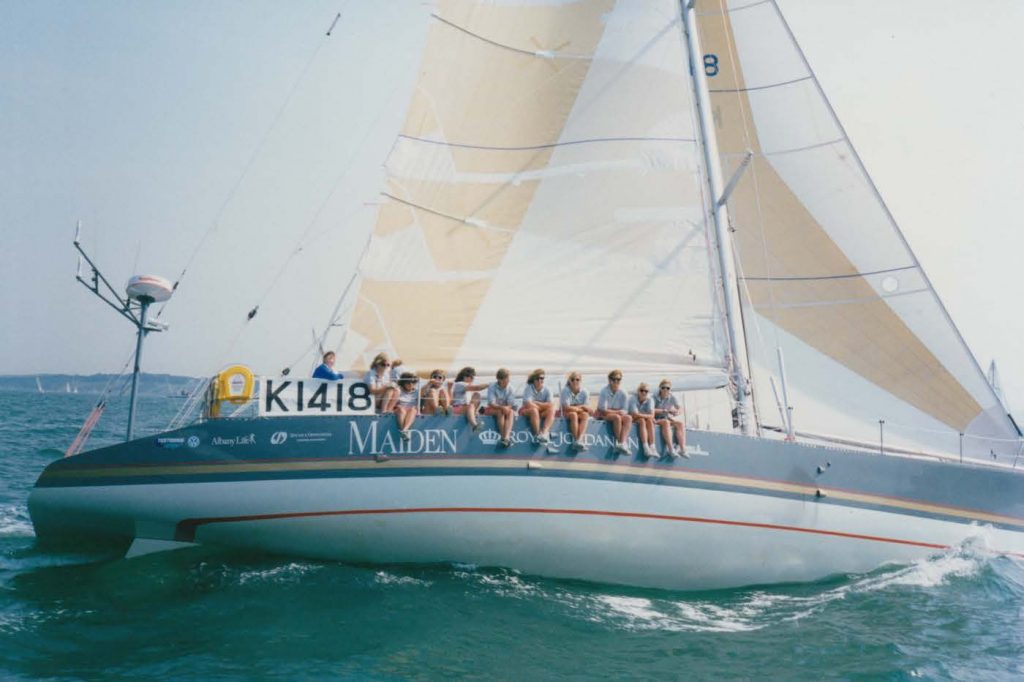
x=777 y=237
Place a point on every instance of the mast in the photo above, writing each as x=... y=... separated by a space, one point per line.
x=726 y=261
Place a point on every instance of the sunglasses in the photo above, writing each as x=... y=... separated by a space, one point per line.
x=540 y=377
x=642 y=390
x=665 y=388
x=437 y=376
x=615 y=379
x=574 y=379
x=385 y=364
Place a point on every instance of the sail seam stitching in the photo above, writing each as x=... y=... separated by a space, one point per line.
x=551 y=145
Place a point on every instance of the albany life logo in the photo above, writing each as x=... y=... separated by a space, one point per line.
x=369 y=439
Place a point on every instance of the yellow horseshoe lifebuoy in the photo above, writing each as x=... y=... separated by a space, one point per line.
x=234 y=384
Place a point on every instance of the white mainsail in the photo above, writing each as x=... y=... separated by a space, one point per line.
x=826 y=272
x=545 y=202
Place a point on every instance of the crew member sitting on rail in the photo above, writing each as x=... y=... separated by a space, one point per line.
x=641 y=409
x=611 y=407
x=499 y=406
x=434 y=395
x=326 y=370
x=666 y=414
x=576 y=410
x=382 y=388
x=538 y=405
x=459 y=388
x=408 y=398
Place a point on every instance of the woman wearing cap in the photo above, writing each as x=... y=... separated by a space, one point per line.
x=538 y=405
x=641 y=409
x=499 y=405
x=462 y=385
x=576 y=410
x=435 y=394
x=666 y=414
x=611 y=407
x=382 y=388
x=408 y=399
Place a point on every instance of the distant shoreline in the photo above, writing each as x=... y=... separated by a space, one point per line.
x=149 y=384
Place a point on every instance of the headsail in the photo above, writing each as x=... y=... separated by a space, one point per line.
x=545 y=201
x=826 y=271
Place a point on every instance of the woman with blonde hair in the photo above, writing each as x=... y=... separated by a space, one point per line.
x=667 y=413
x=537 y=405
x=384 y=391
x=641 y=409
x=576 y=410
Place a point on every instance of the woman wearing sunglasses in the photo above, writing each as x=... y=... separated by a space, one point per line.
x=434 y=395
x=465 y=383
x=641 y=409
x=576 y=410
x=611 y=407
x=666 y=413
x=537 y=406
x=382 y=388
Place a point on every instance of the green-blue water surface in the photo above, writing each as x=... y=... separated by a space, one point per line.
x=203 y=614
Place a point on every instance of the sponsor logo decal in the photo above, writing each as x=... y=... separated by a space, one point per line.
x=278 y=437
x=170 y=443
x=367 y=439
x=237 y=440
x=193 y=441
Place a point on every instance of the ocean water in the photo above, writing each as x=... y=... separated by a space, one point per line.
x=205 y=614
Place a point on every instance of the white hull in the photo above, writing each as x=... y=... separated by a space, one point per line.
x=568 y=528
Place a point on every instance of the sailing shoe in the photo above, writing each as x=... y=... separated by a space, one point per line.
x=671 y=453
x=649 y=450
x=505 y=442
x=405 y=434
x=543 y=437
x=624 y=449
x=681 y=452
x=477 y=427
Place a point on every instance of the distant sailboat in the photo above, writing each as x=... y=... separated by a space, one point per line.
x=67 y=387
x=39 y=385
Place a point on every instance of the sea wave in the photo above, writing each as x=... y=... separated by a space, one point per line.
x=15 y=521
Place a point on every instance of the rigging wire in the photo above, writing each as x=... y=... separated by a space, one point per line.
x=252 y=158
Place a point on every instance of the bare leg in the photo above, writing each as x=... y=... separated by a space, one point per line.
x=533 y=415
x=625 y=423
x=430 y=401
x=680 y=434
x=584 y=418
x=510 y=420
x=666 y=433
x=573 y=420
x=548 y=411
x=390 y=399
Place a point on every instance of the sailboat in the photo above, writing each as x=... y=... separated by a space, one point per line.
x=656 y=187
x=39 y=386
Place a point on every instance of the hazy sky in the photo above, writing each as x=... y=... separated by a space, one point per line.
x=141 y=118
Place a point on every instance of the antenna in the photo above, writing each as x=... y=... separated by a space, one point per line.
x=140 y=292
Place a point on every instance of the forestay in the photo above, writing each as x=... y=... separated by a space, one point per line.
x=545 y=201
x=826 y=273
